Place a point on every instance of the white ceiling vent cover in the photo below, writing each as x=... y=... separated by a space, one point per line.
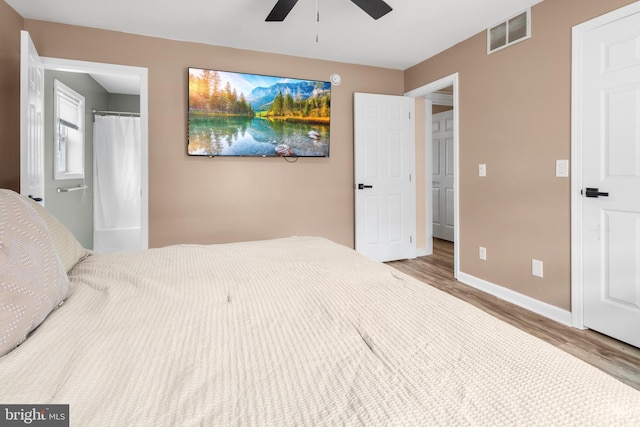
x=513 y=30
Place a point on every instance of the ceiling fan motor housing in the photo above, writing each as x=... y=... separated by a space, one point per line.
x=375 y=8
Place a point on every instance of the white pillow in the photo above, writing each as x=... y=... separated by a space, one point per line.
x=69 y=250
x=32 y=279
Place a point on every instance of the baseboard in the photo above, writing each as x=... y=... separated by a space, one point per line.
x=542 y=308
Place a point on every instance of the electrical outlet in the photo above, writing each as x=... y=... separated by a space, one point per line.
x=483 y=253
x=537 y=268
x=482 y=169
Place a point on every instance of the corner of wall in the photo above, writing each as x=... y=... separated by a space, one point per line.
x=10 y=26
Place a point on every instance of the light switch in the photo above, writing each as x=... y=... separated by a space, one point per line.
x=562 y=168
x=482 y=253
x=536 y=268
x=482 y=169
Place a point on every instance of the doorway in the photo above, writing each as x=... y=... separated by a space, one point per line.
x=125 y=79
x=32 y=137
x=443 y=224
x=432 y=93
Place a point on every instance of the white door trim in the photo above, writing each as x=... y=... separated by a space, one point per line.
x=578 y=33
x=74 y=66
x=423 y=91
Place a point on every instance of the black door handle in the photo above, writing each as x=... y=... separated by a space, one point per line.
x=594 y=192
x=37 y=199
x=362 y=186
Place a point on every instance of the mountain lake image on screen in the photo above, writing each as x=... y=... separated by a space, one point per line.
x=238 y=114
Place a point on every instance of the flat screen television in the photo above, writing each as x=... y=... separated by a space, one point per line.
x=239 y=114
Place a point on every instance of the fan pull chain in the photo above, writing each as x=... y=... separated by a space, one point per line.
x=317 y=18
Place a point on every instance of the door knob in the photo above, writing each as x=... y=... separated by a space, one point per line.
x=37 y=199
x=362 y=186
x=595 y=192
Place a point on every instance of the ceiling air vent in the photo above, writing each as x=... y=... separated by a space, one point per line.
x=511 y=31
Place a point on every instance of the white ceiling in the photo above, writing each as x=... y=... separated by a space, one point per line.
x=414 y=31
x=121 y=84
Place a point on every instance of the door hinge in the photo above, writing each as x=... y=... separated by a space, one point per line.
x=409 y=177
x=409 y=115
x=410 y=239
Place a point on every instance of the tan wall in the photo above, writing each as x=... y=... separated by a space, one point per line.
x=514 y=112
x=10 y=26
x=203 y=200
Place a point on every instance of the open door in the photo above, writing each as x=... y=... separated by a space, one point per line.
x=385 y=207
x=31 y=120
x=607 y=168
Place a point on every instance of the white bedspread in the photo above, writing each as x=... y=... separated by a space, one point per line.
x=296 y=331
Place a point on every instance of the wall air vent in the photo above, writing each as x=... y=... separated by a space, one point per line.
x=513 y=30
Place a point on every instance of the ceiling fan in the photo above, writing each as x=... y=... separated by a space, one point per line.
x=375 y=8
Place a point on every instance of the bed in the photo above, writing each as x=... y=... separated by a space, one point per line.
x=284 y=332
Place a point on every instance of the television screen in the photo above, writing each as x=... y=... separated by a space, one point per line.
x=237 y=114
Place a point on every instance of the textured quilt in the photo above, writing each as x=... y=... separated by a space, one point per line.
x=290 y=332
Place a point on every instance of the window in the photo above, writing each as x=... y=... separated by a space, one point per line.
x=68 y=113
x=513 y=30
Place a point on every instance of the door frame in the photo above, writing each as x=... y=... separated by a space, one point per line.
x=578 y=34
x=425 y=91
x=85 y=67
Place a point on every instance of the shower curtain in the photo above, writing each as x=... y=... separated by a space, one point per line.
x=117 y=184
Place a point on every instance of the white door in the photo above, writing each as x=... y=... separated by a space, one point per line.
x=611 y=164
x=443 y=173
x=384 y=184
x=31 y=120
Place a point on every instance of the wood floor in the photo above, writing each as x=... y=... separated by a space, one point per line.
x=616 y=358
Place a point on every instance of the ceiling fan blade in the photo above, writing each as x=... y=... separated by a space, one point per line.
x=375 y=8
x=281 y=10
